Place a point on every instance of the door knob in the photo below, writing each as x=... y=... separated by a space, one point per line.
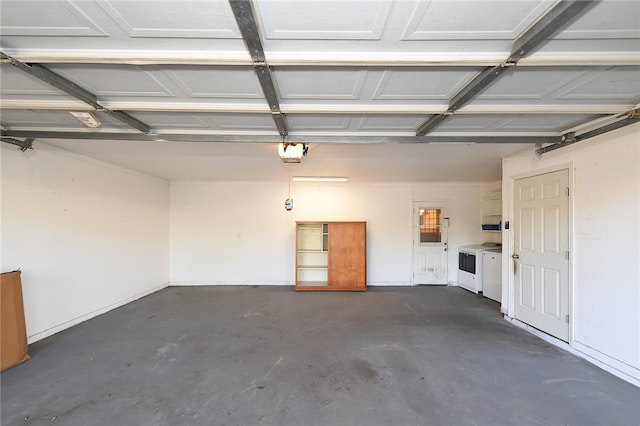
x=515 y=256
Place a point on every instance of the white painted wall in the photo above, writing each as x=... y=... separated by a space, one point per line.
x=87 y=236
x=239 y=233
x=605 y=244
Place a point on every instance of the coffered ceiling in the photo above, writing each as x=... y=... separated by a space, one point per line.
x=378 y=89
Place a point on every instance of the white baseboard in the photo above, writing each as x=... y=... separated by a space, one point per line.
x=233 y=283
x=603 y=361
x=389 y=284
x=281 y=283
x=67 y=324
x=598 y=358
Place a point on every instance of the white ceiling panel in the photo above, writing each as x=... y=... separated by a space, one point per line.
x=552 y=123
x=16 y=84
x=172 y=120
x=606 y=20
x=531 y=84
x=609 y=26
x=374 y=123
x=434 y=84
x=208 y=122
x=216 y=82
x=142 y=26
x=458 y=20
x=130 y=83
x=55 y=120
x=390 y=123
x=206 y=19
x=324 y=20
x=371 y=86
x=325 y=83
x=401 y=26
x=39 y=119
x=241 y=122
x=115 y=81
x=569 y=85
x=613 y=84
x=515 y=123
x=324 y=122
x=70 y=20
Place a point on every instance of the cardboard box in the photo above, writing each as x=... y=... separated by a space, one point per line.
x=13 y=337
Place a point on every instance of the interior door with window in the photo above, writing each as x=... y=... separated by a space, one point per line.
x=430 y=255
x=541 y=244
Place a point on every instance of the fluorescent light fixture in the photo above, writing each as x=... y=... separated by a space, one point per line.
x=319 y=179
x=290 y=152
x=86 y=118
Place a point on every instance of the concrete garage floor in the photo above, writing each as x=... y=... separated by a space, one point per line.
x=270 y=356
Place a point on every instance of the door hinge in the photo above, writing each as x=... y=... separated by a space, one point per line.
x=567 y=318
x=566 y=253
x=567 y=191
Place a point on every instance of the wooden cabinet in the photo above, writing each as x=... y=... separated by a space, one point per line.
x=331 y=256
x=13 y=337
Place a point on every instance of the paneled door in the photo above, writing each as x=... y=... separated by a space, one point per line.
x=347 y=255
x=541 y=226
x=430 y=235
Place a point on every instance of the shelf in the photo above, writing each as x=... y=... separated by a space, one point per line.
x=313 y=266
x=491 y=213
x=312 y=283
x=314 y=286
x=312 y=251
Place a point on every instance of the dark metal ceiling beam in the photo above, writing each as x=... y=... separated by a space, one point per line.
x=72 y=89
x=55 y=80
x=466 y=94
x=23 y=145
x=130 y=120
x=245 y=17
x=556 y=18
x=204 y=137
x=433 y=122
x=475 y=86
x=631 y=117
x=243 y=12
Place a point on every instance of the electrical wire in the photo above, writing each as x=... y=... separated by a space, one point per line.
x=289 y=180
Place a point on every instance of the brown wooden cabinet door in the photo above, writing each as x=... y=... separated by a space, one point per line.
x=347 y=254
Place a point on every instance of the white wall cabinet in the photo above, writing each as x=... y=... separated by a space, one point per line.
x=491 y=213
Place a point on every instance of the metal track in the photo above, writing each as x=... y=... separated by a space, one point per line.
x=556 y=18
x=69 y=87
x=205 y=137
x=245 y=17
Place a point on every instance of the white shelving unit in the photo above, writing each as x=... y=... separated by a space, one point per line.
x=491 y=213
x=312 y=255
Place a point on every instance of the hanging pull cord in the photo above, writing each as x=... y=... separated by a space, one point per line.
x=289 y=181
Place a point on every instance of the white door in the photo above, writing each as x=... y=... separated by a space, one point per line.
x=541 y=228
x=430 y=255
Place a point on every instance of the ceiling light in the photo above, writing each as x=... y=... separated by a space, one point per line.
x=319 y=179
x=291 y=152
x=87 y=118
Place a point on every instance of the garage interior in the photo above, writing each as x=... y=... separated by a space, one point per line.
x=143 y=200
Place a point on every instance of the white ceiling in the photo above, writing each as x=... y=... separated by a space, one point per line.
x=354 y=78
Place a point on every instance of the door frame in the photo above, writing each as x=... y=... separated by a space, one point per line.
x=508 y=240
x=445 y=204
